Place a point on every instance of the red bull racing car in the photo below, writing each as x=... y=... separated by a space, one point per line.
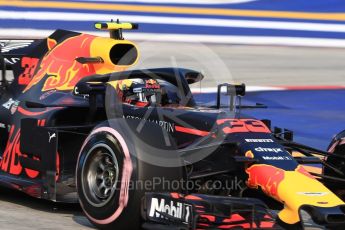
x=136 y=150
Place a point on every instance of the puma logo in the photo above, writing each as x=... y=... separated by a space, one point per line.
x=51 y=136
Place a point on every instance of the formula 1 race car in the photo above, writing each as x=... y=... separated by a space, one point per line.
x=136 y=149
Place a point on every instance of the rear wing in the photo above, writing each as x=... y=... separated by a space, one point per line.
x=11 y=53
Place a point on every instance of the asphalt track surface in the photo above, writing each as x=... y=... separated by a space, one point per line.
x=254 y=65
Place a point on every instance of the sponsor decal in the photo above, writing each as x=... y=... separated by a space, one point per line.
x=272 y=150
x=11 y=105
x=76 y=91
x=51 y=136
x=2 y=126
x=29 y=65
x=137 y=90
x=8 y=104
x=162 y=209
x=11 y=61
x=10 y=162
x=168 y=126
x=322 y=202
x=313 y=193
x=276 y=158
x=242 y=126
x=259 y=140
x=9 y=45
x=47 y=94
x=10 y=159
x=152 y=84
x=249 y=154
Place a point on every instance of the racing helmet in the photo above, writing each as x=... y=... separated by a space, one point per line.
x=139 y=92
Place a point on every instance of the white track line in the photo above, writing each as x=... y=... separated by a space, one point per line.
x=253 y=24
x=192 y=38
x=248 y=89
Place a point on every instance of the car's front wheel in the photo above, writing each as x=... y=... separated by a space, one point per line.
x=112 y=176
x=103 y=174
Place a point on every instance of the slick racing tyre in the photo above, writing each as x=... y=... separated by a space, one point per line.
x=108 y=166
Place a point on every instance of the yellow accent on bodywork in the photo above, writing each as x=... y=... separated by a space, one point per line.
x=313 y=169
x=114 y=26
x=298 y=189
x=101 y=47
x=249 y=154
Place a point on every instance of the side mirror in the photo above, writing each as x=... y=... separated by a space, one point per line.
x=233 y=91
x=236 y=90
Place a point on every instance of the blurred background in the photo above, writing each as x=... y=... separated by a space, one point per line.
x=261 y=42
x=278 y=22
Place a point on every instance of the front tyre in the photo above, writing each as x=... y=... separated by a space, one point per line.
x=103 y=174
x=100 y=171
x=111 y=162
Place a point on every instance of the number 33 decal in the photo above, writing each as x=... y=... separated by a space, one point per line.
x=29 y=65
x=243 y=126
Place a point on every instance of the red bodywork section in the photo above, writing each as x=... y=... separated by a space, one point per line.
x=60 y=65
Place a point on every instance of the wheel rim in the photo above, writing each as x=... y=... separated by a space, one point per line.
x=100 y=174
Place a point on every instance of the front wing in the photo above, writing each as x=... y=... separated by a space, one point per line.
x=196 y=211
